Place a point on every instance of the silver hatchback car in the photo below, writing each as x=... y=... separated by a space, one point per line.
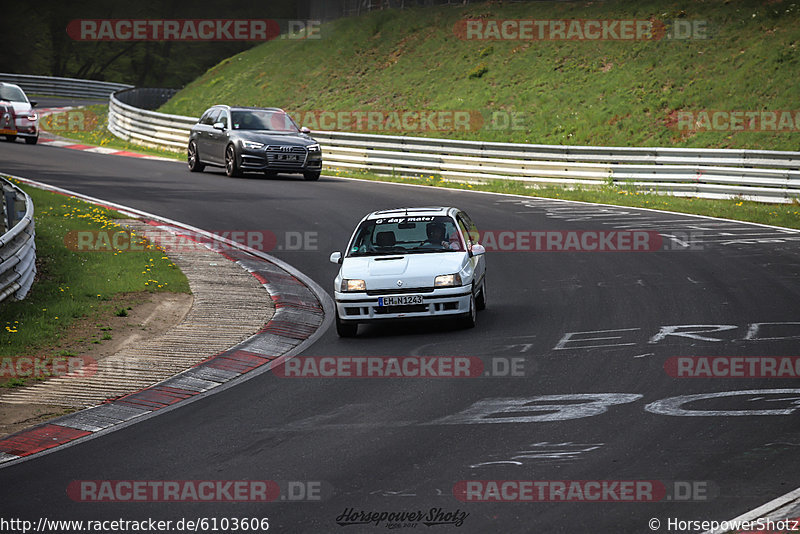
x=17 y=117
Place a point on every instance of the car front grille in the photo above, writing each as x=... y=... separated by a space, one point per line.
x=398 y=291
x=414 y=308
x=277 y=156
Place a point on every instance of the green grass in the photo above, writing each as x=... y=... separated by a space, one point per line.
x=94 y=131
x=75 y=284
x=615 y=93
x=786 y=215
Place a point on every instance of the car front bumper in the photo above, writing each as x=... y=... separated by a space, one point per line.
x=262 y=160
x=26 y=128
x=442 y=302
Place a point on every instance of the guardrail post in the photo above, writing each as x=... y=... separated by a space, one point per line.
x=10 y=208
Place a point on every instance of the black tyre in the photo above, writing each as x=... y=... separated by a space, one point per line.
x=311 y=175
x=11 y=138
x=480 y=302
x=470 y=319
x=193 y=158
x=345 y=329
x=32 y=140
x=231 y=162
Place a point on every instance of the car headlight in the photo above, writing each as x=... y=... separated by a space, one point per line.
x=353 y=285
x=252 y=145
x=313 y=148
x=32 y=116
x=447 y=280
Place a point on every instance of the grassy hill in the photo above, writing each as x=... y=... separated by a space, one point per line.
x=560 y=91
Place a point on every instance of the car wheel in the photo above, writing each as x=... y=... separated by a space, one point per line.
x=480 y=302
x=32 y=140
x=470 y=319
x=193 y=159
x=271 y=174
x=311 y=176
x=11 y=138
x=231 y=164
x=345 y=329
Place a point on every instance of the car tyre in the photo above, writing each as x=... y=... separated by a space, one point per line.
x=470 y=319
x=311 y=175
x=193 y=158
x=32 y=140
x=231 y=163
x=480 y=302
x=11 y=138
x=345 y=329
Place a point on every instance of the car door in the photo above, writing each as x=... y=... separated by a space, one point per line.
x=203 y=137
x=218 y=139
x=470 y=231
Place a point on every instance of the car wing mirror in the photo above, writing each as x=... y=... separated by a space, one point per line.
x=477 y=249
x=336 y=257
x=219 y=126
x=305 y=130
x=33 y=103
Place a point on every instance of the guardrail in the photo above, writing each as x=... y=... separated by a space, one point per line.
x=147 y=128
x=17 y=246
x=760 y=175
x=70 y=87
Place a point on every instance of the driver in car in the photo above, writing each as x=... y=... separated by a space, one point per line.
x=437 y=237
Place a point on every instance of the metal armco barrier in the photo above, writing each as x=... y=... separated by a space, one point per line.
x=760 y=175
x=147 y=128
x=17 y=246
x=70 y=87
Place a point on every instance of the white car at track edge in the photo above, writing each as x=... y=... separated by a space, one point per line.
x=410 y=263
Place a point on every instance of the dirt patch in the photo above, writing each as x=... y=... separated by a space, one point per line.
x=128 y=319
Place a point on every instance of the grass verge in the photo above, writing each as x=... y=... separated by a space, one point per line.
x=75 y=285
x=598 y=92
x=89 y=124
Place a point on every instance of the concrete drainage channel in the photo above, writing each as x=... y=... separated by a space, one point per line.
x=302 y=312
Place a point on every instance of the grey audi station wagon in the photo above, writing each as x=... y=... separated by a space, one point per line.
x=244 y=139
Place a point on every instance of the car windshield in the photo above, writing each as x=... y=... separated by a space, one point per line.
x=12 y=94
x=406 y=235
x=274 y=121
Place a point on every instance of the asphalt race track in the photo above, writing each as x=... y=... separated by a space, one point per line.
x=581 y=323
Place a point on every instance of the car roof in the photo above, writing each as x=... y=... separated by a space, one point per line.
x=413 y=212
x=244 y=108
x=12 y=85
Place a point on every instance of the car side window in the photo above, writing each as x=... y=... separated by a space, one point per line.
x=210 y=117
x=472 y=229
x=468 y=236
x=223 y=117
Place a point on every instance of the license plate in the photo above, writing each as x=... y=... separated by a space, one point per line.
x=288 y=157
x=403 y=300
x=5 y=131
